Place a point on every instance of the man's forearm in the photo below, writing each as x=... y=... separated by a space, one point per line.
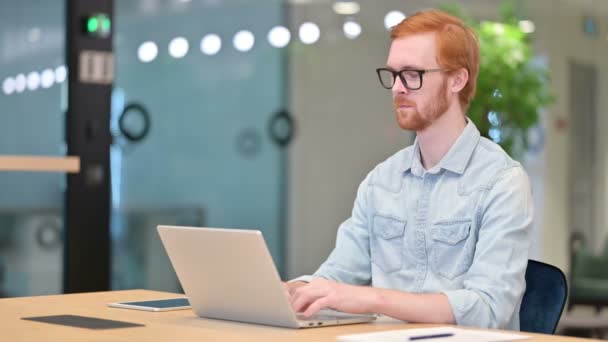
x=412 y=307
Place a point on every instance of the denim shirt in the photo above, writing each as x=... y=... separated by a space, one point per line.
x=461 y=228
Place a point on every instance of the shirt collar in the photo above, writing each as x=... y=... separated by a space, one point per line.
x=457 y=158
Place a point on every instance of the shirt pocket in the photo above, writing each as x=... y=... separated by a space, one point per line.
x=387 y=243
x=452 y=251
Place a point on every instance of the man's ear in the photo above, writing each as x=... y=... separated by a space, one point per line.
x=458 y=79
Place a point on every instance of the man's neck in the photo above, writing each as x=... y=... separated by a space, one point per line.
x=437 y=139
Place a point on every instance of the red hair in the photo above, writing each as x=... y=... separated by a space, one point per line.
x=457 y=44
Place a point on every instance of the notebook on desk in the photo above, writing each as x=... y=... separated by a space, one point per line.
x=229 y=274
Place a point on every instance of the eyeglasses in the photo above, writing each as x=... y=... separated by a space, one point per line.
x=411 y=79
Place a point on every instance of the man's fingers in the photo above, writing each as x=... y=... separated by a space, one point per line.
x=293 y=299
x=302 y=301
x=316 y=306
x=305 y=295
x=295 y=295
x=301 y=304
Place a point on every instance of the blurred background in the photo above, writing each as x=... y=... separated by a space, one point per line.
x=268 y=114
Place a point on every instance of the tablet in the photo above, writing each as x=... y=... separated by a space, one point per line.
x=155 y=305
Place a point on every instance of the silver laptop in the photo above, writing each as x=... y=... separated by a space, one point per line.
x=229 y=274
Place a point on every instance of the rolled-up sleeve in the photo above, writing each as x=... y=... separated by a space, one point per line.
x=495 y=283
x=349 y=262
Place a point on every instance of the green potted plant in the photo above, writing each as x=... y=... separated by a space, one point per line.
x=511 y=89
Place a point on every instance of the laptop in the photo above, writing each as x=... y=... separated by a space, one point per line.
x=229 y=274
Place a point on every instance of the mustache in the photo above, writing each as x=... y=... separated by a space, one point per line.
x=401 y=101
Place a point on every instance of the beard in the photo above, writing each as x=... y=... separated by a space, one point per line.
x=414 y=119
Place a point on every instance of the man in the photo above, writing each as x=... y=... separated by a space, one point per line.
x=441 y=229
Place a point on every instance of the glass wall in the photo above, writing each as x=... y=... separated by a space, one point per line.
x=211 y=83
x=31 y=204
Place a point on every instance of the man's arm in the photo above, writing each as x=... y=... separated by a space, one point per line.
x=414 y=307
x=495 y=283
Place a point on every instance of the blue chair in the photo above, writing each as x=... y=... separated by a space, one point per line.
x=544 y=299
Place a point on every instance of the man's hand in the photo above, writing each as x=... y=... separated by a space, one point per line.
x=322 y=293
x=291 y=287
x=410 y=307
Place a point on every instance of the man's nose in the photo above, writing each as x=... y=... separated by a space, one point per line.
x=399 y=87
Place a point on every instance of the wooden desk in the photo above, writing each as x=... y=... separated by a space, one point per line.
x=179 y=326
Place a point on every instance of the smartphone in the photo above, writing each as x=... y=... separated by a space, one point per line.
x=155 y=305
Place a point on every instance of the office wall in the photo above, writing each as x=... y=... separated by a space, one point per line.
x=560 y=37
x=346 y=125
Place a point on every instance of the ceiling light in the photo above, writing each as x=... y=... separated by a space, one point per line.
x=33 y=80
x=279 y=36
x=178 y=47
x=393 y=18
x=243 y=41
x=346 y=7
x=309 y=33
x=60 y=74
x=352 y=29
x=20 y=83
x=147 y=52
x=47 y=78
x=8 y=86
x=211 y=44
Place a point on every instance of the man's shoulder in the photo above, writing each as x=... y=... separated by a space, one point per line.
x=489 y=162
x=388 y=173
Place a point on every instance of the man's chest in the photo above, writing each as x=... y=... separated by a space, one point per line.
x=430 y=224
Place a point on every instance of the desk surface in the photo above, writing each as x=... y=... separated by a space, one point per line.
x=181 y=325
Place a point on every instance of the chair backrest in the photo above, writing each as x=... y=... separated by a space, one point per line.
x=544 y=299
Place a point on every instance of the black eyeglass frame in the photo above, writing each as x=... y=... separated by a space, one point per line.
x=399 y=73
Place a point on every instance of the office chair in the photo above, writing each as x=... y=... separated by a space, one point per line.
x=544 y=299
